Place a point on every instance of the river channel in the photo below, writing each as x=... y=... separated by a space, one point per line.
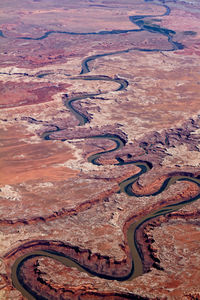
x=126 y=185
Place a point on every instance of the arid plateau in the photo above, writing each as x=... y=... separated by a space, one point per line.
x=100 y=149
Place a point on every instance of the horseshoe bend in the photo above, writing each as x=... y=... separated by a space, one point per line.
x=100 y=149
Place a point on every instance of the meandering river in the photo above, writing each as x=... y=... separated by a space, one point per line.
x=126 y=185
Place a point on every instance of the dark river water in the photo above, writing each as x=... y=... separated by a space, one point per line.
x=126 y=185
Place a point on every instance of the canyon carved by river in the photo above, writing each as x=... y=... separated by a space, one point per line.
x=100 y=149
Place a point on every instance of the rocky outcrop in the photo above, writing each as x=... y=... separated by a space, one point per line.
x=63 y=212
x=146 y=239
x=52 y=198
x=33 y=279
x=94 y=263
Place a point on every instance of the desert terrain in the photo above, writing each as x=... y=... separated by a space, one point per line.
x=100 y=149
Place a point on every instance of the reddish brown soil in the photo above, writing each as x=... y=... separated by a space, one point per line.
x=51 y=197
